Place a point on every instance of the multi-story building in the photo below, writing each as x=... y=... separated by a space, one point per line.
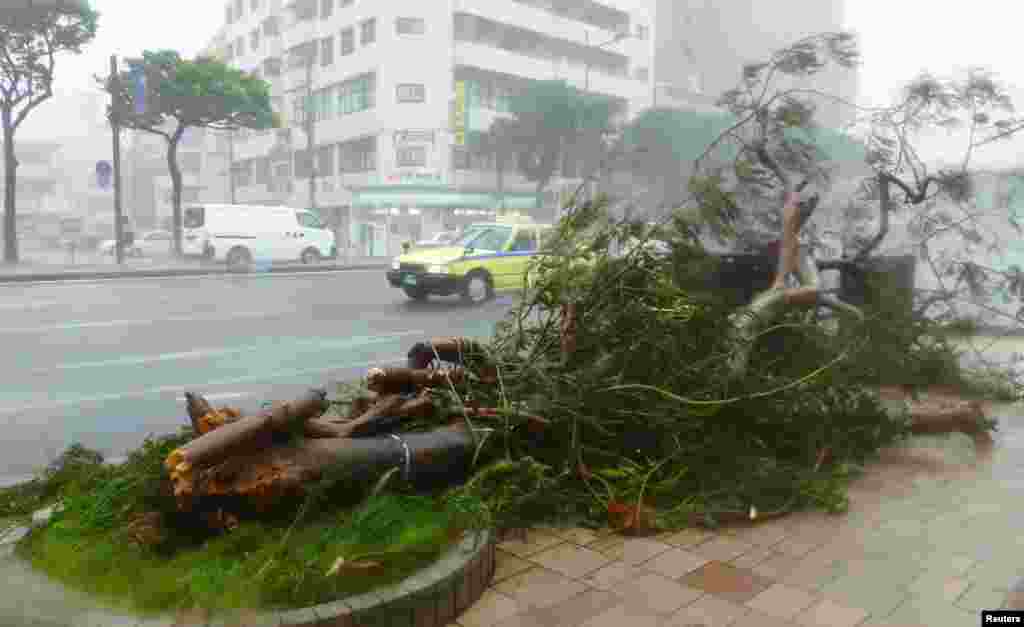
x=702 y=45
x=397 y=87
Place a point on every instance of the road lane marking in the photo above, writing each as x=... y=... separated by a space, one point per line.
x=66 y=326
x=220 y=397
x=201 y=385
x=204 y=353
x=276 y=275
x=34 y=304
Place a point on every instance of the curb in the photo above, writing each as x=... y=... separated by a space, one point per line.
x=183 y=272
x=431 y=597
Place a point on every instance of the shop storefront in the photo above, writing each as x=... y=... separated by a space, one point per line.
x=384 y=217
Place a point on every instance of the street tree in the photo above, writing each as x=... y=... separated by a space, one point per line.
x=555 y=125
x=183 y=94
x=31 y=39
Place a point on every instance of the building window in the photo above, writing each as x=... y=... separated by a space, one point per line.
x=254 y=40
x=272 y=67
x=327 y=51
x=254 y=5
x=239 y=8
x=347 y=3
x=227 y=14
x=326 y=8
x=271 y=27
x=411 y=157
x=348 y=41
x=410 y=93
x=358 y=155
x=325 y=160
x=303 y=164
x=410 y=26
x=357 y=94
x=641 y=73
x=368 y=31
x=305 y=10
x=460 y=158
x=642 y=31
x=240 y=46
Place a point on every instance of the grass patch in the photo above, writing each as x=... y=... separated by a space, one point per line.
x=278 y=560
x=253 y=567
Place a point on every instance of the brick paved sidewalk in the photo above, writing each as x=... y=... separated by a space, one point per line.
x=924 y=544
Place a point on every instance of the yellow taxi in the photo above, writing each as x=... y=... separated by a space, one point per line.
x=488 y=257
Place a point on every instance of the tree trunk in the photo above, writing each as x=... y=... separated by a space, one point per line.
x=10 y=191
x=176 y=184
x=244 y=435
x=264 y=477
x=406 y=380
x=384 y=414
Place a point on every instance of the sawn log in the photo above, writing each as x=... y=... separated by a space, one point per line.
x=262 y=478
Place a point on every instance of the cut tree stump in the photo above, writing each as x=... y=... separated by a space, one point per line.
x=244 y=435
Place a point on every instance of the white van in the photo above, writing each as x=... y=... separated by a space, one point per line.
x=241 y=234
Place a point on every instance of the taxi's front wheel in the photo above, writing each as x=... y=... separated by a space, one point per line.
x=477 y=288
x=415 y=293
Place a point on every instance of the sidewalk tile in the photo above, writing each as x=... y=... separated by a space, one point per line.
x=764 y=534
x=727 y=581
x=637 y=550
x=608 y=577
x=776 y=566
x=782 y=601
x=979 y=598
x=659 y=594
x=625 y=614
x=507 y=564
x=577 y=535
x=828 y=613
x=577 y=609
x=609 y=544
x=535 y=542
x=938 y=585
x=492 y=608
x=571 y=560
x=878 y=598
x=675 y=563
x=708 y=611
x=687 y=537
x=757 y=619
x=723 y=548
x=810 y=574
x=932 y=613
x=954 y=564
x=798 y=546
x=755 y=556
x=539 y=587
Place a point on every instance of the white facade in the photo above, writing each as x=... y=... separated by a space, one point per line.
x=386 y=75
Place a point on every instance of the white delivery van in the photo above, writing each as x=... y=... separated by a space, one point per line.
x=241 y=234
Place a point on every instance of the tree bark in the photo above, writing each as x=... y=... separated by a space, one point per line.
x=403 y=380
x=244 y=435
x=10 y=190
x=262 y=478
x=385 y=414
x=176 y=184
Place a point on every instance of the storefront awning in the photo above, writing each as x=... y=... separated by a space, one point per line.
x=434 y=198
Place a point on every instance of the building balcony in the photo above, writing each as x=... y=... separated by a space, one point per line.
x=495 y=59
x=537 y=19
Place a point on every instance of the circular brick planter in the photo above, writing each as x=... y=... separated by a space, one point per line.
x=431 y=597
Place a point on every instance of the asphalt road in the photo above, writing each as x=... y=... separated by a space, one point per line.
x=105 y=363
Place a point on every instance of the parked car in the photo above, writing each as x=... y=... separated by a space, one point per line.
x=149 y=244
x=487 y=258
x=241 y=234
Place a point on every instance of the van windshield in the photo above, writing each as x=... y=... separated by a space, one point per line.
x=195 y=217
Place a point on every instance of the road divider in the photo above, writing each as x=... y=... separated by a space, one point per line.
x=72 y=276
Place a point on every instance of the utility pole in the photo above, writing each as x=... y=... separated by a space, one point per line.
x=310 y=125
x=115 y=125
x=230 y=164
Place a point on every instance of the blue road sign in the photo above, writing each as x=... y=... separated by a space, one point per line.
x=104 y=174
x=139 y=89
